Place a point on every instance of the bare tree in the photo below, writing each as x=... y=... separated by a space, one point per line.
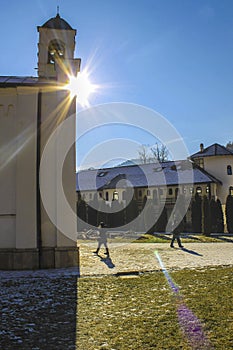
x=144 y=155
x=160 y=152
x=157 y=153
x=229 y=146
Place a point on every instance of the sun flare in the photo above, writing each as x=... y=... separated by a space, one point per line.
x=81 y=87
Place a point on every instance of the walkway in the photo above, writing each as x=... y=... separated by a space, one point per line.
x=140 y=257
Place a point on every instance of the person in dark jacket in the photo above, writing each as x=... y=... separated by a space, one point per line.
x=176 y=231
x=102 y=239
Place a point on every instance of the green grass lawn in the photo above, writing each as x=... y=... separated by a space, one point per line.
x=141 y=312
x=165 y=238
x=186 y=238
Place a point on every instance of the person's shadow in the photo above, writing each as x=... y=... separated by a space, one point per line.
x=107 y=261
x=191 y=251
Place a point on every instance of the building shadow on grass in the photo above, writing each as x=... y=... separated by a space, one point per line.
x=191 y=252
x=39 y=309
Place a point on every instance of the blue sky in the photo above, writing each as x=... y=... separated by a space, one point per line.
x=173 y=56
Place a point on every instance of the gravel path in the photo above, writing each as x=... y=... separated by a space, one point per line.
x=141 y=257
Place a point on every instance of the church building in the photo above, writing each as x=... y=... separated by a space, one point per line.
x=31 y=108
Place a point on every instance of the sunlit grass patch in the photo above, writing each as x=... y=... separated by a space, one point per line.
x=186 y=238
x=140 y=313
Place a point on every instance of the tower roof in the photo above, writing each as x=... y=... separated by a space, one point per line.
x=57 y=23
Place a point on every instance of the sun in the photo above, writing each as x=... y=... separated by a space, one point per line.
x=81 y=87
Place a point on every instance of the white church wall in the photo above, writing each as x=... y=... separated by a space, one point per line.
x=8 y=232
x=48 y=124
x=26 y=168
x=55 y=108
x=8 y=150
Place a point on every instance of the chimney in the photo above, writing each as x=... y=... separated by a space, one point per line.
x=201 y=147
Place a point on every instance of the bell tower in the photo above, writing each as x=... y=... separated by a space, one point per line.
x=56 y=50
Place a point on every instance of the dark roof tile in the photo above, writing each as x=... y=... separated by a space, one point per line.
x=213 y=150
x=144 y=175
x=57 y=23
x=14 y=81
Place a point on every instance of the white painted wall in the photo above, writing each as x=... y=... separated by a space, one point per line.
x=8 y=147
x=217 y=166
x=54 y=112
x=18 y=141
x=26 y=168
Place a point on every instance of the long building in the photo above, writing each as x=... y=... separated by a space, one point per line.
x=207 y=173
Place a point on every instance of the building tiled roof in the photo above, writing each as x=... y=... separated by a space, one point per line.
x=144 y=175
x=13 y=81
x=213 y=150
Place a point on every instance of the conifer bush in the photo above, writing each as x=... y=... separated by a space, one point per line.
x=206 y=216
x=229 y=213
x=196 y=208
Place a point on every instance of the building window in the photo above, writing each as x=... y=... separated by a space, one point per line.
x=201 y=162
x=191 y=190
x=102 y=173
x=199 y=190
x=106 y=196
x=90 y=195
x=207 y=189
x=148 y=193
x=155 y=195
x=231 y=191
x=170 y=192
x=115 y=196
x=229 y=170
x=160 y=191
x=140 y=194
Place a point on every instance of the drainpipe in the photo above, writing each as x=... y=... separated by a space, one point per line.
x=38 y=200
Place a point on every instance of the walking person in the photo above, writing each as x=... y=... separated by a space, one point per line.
x=176 y=231
x=102 y=239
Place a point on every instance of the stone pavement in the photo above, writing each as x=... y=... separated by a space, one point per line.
x=140 y=257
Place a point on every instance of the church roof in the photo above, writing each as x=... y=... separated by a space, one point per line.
x=14 y=81
x=213 y=150
x=57 y=23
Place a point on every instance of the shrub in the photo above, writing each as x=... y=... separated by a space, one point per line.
x=220 y=221
x=116 y=216
x=229 y=213
x=81 y=213
x=196 y=208
x=161 y=223
x=206 y=216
